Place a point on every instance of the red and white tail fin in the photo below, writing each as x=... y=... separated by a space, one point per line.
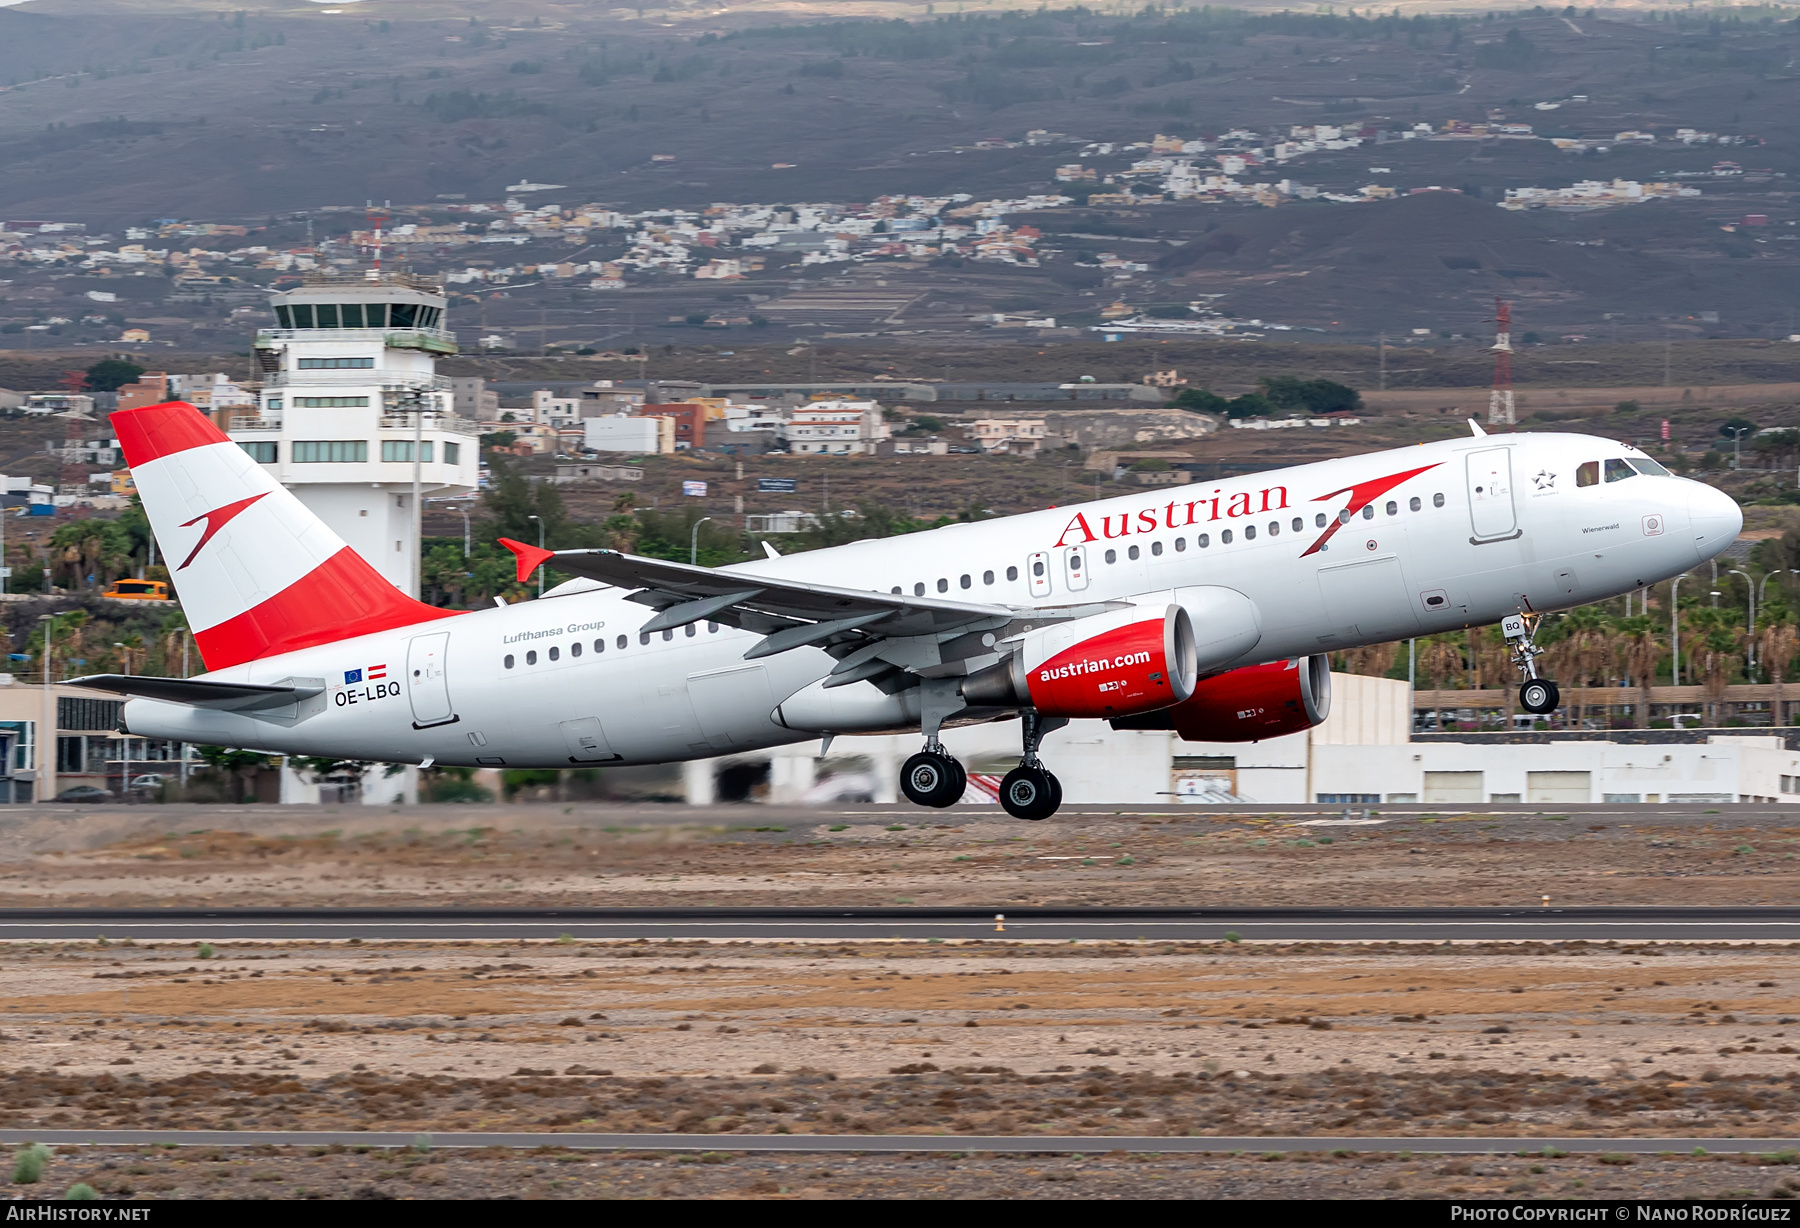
x=257 y=572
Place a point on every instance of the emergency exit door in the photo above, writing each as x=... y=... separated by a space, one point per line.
x=1491 y=513
x=427 y=683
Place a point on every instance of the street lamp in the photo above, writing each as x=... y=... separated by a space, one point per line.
x=125 y=742
x=694 y=541
x=1737 y=440
x=1675 y=626
x=464 y=513
x=47 y=735
x=540 y=570
x=1750 y=600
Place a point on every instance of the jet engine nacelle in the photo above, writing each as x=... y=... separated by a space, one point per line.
x=1249 y=704
x=1113 y=664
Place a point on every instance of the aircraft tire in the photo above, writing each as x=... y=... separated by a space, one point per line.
x=1030 y=793
x=933 y=780
x=1540 y=695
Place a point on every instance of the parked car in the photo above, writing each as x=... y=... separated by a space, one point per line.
x=85 y=793
x=149 y=780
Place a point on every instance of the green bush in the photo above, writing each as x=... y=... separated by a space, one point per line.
x=81 y=1191
x=28 y=1165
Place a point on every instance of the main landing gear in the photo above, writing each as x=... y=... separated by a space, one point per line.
x=933 y=778
x=1031 y=791
x=1537 y=695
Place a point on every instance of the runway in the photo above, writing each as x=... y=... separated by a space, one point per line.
x=1599 y=924
x=892 y=1143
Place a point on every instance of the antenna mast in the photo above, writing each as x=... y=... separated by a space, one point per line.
x=1500 y=398
x=377 y=217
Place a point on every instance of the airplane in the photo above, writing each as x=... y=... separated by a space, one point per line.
x=1207 y=609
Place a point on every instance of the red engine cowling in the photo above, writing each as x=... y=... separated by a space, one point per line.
x=1249 y=704
x=1115 y=664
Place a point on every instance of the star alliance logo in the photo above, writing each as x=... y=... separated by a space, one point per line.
x=1545 y=480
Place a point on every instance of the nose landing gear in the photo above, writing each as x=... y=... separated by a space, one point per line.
x=1537 y=695
x=1030 y=791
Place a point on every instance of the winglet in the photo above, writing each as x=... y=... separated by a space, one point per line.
x=530 y=558
x=770 y=550
x=1475 y=429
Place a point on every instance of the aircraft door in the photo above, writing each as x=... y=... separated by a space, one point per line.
x=1075 y=560
x=1037 y=570
x=586 y=741
x=427 y=682
x=1491 y=514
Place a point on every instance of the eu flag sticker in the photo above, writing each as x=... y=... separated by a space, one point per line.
x=352 y=676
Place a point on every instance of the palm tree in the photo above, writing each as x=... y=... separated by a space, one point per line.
x=1777 y=651
x=1641 y=650
x=1583 y=651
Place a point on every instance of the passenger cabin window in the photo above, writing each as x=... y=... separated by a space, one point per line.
x=1012 y=573
x=1437 y=500
x=1414 y=504
x=1588 y=474
x=1618 y=471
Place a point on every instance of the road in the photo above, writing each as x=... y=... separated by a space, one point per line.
x=1034 y=1144
x=1624 y=924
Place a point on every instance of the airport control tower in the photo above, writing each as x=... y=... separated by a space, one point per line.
x=350 y=393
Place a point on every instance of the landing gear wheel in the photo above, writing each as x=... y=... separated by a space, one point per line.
x=1539 y=696
x=935 y=780
x=1029 y=792
x=1055 y=791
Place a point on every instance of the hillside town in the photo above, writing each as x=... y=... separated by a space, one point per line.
x=465 y=241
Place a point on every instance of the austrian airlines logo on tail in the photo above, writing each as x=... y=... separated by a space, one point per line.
x=215 y=520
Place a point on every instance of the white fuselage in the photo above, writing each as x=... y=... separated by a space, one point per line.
x=1490 y=527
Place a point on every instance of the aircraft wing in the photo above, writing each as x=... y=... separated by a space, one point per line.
x=200 y=693
x=874 y=635
x=766 y=603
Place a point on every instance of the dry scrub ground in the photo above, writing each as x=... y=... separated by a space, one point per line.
x=667 y=856
x=336 y=1172
x=1001 y=1036
x=885 y=1037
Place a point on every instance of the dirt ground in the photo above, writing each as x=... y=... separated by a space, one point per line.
x=1006 y=1036
x=336 y=1172
x=671 y=856
x=884 y=1037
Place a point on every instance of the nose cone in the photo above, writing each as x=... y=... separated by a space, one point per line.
x=1714 y=519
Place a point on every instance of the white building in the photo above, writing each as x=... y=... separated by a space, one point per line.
x=1023 y=436
x=623 y=433
x=350 y=390
x=548 y=409
x=835 y=428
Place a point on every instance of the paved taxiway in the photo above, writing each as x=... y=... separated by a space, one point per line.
x=1621 y=924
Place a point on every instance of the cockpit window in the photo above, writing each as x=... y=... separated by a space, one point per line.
x=1647 y=467
x=1588 y=474
x=1618 y=471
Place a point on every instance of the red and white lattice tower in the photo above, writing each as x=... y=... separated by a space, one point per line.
x=1500 y=398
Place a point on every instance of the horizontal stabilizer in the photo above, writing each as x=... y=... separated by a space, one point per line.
x=199 y=693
